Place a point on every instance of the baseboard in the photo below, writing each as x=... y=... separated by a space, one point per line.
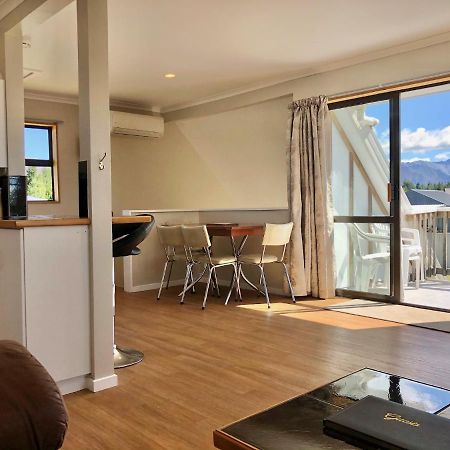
x=153 y=286
x=73 y=384
x=99 y=384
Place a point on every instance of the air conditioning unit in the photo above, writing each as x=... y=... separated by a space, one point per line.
x=136 y=125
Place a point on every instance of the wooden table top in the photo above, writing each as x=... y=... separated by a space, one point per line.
x=53 y=221
x=235 y=229
x=43 y=221
x=131 y=219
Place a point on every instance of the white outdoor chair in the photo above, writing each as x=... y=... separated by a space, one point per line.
x=412 y=253
x=368 y=264
x=196 y=237
x=275 y=235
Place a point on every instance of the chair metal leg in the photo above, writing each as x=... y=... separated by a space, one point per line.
x=196 y=280
x=186 y=281
x=207 y=287
x=233 y=282
x=170 y=273
x=265 y=285
x=216 y=282
x=162 y=280
x=289 y=282
x=258 y=293
x=238 y=294
x=191 y=280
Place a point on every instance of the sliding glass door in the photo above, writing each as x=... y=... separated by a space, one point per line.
x=365 y=166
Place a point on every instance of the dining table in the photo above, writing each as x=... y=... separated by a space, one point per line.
x=235 y=231
x=238 y=235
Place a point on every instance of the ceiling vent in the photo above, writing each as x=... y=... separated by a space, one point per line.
x=136 y=125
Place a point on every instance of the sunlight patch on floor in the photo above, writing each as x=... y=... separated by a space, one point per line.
x=315 y=315
x=276 y=307
x=342 y=320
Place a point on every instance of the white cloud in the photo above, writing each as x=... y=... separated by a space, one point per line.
x=423 y=140
x=384 y=141
x=415 y=159
x=442 y=156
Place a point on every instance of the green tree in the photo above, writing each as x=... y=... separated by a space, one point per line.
x=39 y=183
x=408 y=185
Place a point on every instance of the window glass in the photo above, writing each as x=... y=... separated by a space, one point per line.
x=39 y=162
x=37 y=143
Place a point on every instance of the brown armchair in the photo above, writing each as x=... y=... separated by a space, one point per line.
x=32 y=412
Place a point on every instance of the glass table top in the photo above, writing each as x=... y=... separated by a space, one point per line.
x=298 y=423
x=353 y=387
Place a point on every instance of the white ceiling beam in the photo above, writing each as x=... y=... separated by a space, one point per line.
x=15 y=16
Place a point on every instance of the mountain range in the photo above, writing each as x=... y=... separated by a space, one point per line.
x=425 y=171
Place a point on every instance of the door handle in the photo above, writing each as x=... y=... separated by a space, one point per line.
x=389 y=193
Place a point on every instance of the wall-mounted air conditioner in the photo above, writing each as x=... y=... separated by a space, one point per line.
x=136 y=125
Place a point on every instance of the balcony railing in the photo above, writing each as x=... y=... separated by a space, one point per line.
x=432 y=223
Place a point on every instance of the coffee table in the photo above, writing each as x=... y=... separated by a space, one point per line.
x=297 y=423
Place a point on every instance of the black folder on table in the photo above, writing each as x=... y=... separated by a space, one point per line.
x=376 y=423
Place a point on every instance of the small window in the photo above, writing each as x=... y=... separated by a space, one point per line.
x=40 y=162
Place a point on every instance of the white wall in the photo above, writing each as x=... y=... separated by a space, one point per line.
x=233 y=159
x=148 y=266
x=66 y=117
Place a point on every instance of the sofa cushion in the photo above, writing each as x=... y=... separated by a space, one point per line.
x=32 y=411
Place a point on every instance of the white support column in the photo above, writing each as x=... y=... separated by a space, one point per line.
x=94 y=143
x=11 y=67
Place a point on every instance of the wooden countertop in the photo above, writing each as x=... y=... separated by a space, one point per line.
x=49 y=221
x=131 y=219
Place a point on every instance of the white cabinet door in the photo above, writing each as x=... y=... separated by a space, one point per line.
x=12 y=296
x=57 y=298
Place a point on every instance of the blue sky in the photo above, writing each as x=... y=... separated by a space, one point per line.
x=36 y=143
x=425 y=125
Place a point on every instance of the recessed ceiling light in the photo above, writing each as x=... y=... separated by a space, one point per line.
x=169 y=75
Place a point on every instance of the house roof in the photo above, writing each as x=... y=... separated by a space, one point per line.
x=428 y=197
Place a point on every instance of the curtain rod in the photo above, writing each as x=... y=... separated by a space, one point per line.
x=394 y=87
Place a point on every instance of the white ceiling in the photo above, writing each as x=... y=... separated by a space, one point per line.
x=216 y=46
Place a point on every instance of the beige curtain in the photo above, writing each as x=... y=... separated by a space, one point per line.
x=309 y=184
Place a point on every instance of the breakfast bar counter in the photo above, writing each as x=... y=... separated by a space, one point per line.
x=42 y=221
x=45 y=299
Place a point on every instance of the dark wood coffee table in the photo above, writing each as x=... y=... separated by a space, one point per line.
x=297 y=423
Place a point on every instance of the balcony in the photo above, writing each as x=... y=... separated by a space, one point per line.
x=433 y=225
x=361 y=172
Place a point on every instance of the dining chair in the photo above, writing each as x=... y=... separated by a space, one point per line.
x=275 y=235
x=196 y=237
x=172 y=241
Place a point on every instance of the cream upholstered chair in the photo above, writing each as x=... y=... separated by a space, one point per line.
x=196 y=237
x=172 y=241
x=275 y=235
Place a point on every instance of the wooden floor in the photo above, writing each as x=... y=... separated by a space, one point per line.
x=204 y=369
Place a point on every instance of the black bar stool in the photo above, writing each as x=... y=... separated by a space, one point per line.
x=126 y=238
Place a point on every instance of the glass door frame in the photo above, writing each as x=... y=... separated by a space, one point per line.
x=394 y=217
